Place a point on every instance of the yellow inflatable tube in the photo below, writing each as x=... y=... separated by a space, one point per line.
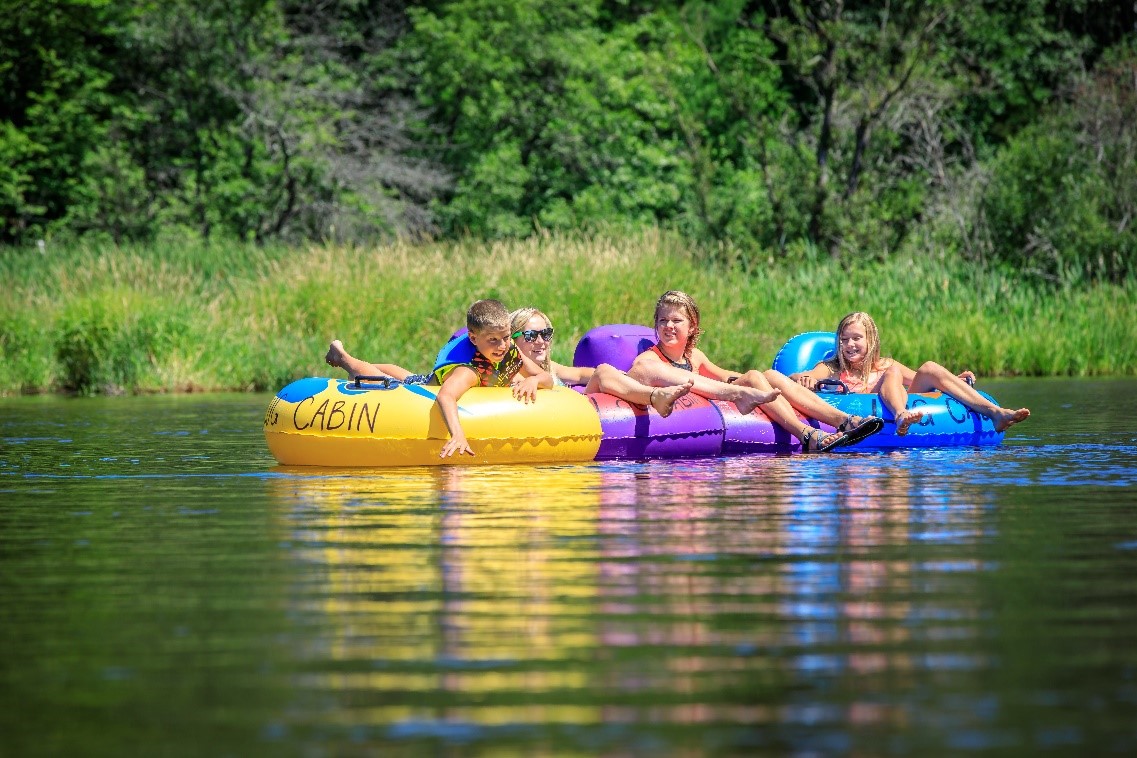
x=333 y=422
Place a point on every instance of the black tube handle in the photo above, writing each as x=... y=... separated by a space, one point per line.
x=384 y=382
x=834 y=386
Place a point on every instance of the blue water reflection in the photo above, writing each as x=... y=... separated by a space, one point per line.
x=157 y=564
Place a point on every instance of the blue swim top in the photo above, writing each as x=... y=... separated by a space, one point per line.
x=459 y=351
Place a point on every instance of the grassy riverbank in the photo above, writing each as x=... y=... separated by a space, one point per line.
x=235 y=317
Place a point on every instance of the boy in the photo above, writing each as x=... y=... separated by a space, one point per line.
x=490 y=360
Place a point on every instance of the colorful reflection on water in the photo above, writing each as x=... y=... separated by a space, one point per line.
x=924 y=601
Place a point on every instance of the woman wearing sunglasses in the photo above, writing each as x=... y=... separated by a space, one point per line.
x=533 y=335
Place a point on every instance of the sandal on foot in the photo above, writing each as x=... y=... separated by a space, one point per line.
x=857 y=428
x=817 y=441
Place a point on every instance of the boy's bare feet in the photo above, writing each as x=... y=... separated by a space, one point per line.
x=907 y=418
x=1005 y=418
x=335 y=354
x=751 y=398
x=663 y=398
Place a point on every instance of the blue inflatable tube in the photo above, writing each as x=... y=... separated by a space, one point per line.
x=946 y=422
x=803 y=352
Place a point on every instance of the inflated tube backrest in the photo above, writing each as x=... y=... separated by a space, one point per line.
x=806 y=350
x=616 y=344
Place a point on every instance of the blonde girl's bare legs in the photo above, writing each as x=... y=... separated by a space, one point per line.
x=339 y=357
x=933 y=376
x=895 y=398
x=611 y=381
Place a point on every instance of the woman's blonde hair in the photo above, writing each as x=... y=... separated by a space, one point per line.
x=872 y=351
x=520 y=317
x=686 y=303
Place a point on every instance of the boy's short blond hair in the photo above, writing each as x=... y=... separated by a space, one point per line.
x=487 y=314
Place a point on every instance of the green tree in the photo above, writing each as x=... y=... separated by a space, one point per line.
x=255 y=119
x=572 y=115
x=200 y=121
x=1062 y=199
x=55 y=72
x=776 y=124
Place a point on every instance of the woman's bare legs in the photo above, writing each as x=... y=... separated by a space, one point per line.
x=340 y=358
x=933 y=376
x=895 y=398
x=611 y=381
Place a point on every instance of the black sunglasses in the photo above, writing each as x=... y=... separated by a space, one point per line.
x=532 y=334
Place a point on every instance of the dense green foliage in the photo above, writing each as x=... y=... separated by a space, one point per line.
x=92 y=318
x=775 y=127
x=249 y=120
x=1062 y=200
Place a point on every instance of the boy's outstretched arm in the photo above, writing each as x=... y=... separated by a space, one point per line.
x=457 y=383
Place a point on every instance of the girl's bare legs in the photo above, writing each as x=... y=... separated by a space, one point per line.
x=340 y=358
x=806 y=401
x=611 y=381
x=747 y=398
x=895 y=398
x=933 y=376
x=781 y=409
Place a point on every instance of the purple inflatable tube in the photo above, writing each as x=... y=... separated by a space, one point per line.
x=697 y=427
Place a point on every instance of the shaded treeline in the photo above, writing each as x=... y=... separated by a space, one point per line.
x=993 y=130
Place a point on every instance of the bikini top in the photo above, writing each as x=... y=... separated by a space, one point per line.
x=685 y=365
x=858 y=385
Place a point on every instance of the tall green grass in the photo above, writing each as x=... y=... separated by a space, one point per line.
x=233 y=317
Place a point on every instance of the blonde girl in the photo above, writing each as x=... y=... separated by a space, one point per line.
x=859 y=365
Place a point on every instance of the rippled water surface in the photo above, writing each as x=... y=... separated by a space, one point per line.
x=165 y=588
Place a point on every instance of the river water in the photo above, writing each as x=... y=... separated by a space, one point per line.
x=167 y=589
